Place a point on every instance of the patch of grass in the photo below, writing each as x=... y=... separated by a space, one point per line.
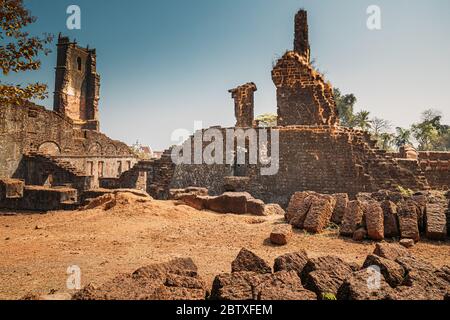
x=328 y=296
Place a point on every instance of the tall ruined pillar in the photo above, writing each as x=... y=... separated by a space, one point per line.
x=301 y=39
x=303 y=95
x=244 y=104
x=77 y=84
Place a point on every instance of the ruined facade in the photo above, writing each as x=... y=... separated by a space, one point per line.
x=62 y=148
x=77 y=84
x=315 y=153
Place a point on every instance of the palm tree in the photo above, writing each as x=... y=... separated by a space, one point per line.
x=362 y=120
x=385 y=141
x=402 y=137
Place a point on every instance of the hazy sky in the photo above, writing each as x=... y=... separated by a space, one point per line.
x=165 y=64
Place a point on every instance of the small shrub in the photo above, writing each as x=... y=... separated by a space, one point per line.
x=405 y=192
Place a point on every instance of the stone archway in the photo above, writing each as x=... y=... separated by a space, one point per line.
x=50 y=148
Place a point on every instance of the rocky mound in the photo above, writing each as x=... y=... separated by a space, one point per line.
x=175 y=280
x=118 y=197
x=391 y=272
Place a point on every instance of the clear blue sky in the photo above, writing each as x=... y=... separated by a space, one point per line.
x=165 y=64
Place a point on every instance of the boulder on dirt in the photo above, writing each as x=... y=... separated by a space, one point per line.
x=248 y=261
x=194 y=201
x=423 y=281
x=365 y=284
x=283 y=285
x=374 y=220
x=255 y=207
x=342 y=201
x=230 y=202
x=295 y=261
x=319 y=214
x=353 y=218
x=393 y=273
x=237 y=286
x=407 y=243
x=360 y=234
x=390 y=251
x=408 y=220
x=281 y=234
x=324 y=275
x=273 y=209
x=391 y=227
x=175 y=280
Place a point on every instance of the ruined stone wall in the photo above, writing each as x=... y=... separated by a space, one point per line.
x=303 y=96
x=34 y=129
x=436 y=166
x=317 y=158
x=77 y=84
x=244 y=104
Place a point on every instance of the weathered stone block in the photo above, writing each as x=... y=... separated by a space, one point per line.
x=248 y=261
x=393 y=273
x=342 y=201
x=390 y=251
x=356 y=287
x=374 y=220
x=408 y=220
x=353 y=218
x=325 y=274
x=230 y=202
x=318 y=216
x=281 y=234
x=256 y=207
x=436 y=222
x=295 y=261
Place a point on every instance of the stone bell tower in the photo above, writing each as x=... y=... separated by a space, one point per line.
x=77 y=84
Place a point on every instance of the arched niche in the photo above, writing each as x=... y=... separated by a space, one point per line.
x=50 y=148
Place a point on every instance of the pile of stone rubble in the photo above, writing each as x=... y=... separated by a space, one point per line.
x=375 y=216
x=391 y=272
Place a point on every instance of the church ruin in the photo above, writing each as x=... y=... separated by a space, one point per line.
x=316 y=153
x=52 y=159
